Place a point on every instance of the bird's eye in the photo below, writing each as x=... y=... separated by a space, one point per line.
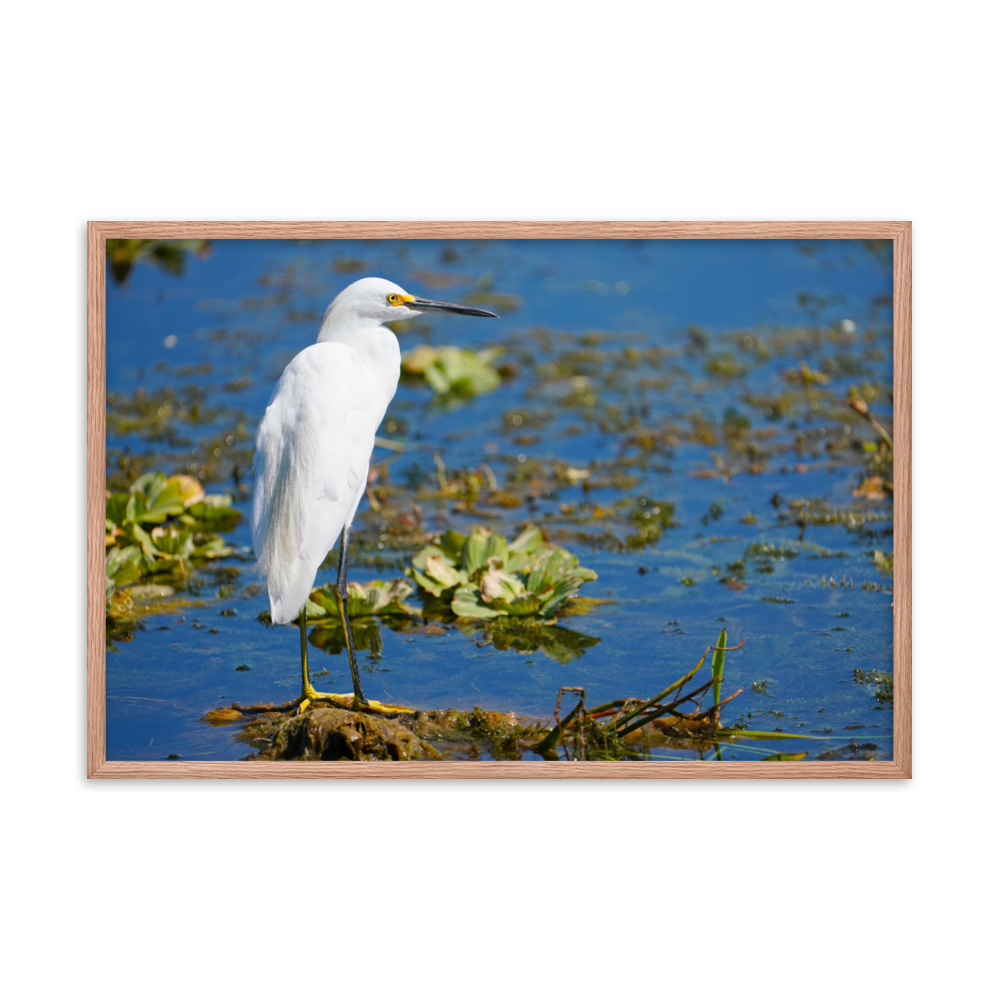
x=392 y=299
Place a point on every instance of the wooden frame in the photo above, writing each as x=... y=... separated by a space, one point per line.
x=898 y=232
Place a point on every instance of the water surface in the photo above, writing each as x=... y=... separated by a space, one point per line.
x=664 y=369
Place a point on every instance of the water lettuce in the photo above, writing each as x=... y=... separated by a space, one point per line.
x=454 y=371
x=363 y=600
x=489 y=577
x=162 y=526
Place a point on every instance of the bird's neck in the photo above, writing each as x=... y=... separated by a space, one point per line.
x=375 y=345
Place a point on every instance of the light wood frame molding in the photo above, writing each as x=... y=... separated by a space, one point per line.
x=899 y=232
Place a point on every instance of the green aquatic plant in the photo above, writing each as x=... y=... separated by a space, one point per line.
x=883 y=562
x=718 y=663
x=725 y=366
x=454 y=371
x=489 y=577
x=767 y=552
x=881 y=679
x=162 y=527
x=660 y=716
x=168 y=255
x=651 y=518
x=363 y=600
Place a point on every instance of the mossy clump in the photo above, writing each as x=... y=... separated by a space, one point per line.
x=323 y=733
x=478 y=734
x=327 y=732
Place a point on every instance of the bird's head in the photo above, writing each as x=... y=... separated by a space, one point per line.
x=383 y=301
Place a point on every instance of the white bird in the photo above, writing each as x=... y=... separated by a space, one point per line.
x=313 y=447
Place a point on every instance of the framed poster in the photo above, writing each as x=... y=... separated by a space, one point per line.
x=625 y=499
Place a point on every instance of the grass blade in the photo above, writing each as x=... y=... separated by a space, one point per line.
x=754 y=734
x=679 y=683
x=718 y=662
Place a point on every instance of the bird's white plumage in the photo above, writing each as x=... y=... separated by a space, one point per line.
x=311 y=464
x=314 y=443
x=316 y=438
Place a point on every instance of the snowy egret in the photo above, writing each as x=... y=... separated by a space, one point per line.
x=313 y=448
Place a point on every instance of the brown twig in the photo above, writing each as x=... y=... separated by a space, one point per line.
x=711 y=710
x=546 y=744
x=860 y=406
x=671 y=708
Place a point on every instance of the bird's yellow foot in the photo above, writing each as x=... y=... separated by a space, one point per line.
x=378 y=708
x=351 y=702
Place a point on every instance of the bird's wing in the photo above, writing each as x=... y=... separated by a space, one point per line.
x=313 y=447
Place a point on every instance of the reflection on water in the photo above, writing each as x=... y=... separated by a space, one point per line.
x=561 y=644
x=527 y=636
x=707 y=424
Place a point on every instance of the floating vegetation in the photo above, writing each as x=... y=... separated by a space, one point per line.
x=767 y=552
x=820 y=552
x=804 y=375
x=725 y=366
x=873 y=488
x=454 y=371
x=369 y=605
x=735 y=575
x=489 y=577
x=819 y=512
x=167 y=255
x=157 y=535
x=503 y=302
x=715 y=510
x=363 y=600
x=882 y=681
x=156 y=415
x=650 y=517
x=852 y=751
x=883 y=562
x=161 y=529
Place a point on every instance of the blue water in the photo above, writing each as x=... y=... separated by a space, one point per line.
x=237 y=316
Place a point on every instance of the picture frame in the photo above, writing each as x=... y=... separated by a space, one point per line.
x=898 y=232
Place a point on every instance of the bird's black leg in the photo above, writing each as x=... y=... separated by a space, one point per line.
x=307 y=688
x=309 y=693
x=359 y=694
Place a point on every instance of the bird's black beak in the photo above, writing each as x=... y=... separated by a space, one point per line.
x=429 y=305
